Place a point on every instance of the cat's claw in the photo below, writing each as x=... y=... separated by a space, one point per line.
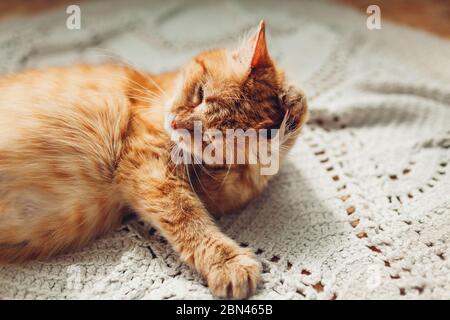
x=236 y=278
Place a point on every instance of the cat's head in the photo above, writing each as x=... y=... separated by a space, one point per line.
x=235 y=89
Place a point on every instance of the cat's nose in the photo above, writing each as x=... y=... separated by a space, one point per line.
x=173 y=124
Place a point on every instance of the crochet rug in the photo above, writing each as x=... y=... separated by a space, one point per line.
x=361 y=207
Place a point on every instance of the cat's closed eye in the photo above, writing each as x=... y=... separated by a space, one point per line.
x=198 y=95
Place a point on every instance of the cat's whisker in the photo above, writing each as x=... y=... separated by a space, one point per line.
x=229 y=167
x=226 y=176
x=189 y=178
x=127 y=63
x=140 y=88
x=143 y=99
x=144 y=89
x=204 y=169
x=158 y=87
x=200 y=183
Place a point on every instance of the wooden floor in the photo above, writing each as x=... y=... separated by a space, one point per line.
x=22 y=7
x=429 y=15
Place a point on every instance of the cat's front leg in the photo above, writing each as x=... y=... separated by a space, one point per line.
x=171 y=206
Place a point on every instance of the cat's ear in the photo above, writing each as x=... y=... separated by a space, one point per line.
x=260 y=56
x=254 y=52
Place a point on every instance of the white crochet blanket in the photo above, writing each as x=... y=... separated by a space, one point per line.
x=361 y=208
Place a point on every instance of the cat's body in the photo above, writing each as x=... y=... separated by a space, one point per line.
x=80 y=146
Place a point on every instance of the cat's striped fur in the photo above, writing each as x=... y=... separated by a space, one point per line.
x=81 y=145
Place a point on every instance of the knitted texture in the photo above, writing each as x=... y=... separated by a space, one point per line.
x=360 y=208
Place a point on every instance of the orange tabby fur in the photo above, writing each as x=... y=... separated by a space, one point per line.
x=81 y=145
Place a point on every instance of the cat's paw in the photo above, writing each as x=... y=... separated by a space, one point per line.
x=293 y=97
x=236 y=278
x=294 y=101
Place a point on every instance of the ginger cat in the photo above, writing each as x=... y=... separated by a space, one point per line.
x=81 y=145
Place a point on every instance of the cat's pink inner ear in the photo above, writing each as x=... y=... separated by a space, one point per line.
x=260 y=56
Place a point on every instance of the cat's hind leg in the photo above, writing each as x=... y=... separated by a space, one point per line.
x=44 y=232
